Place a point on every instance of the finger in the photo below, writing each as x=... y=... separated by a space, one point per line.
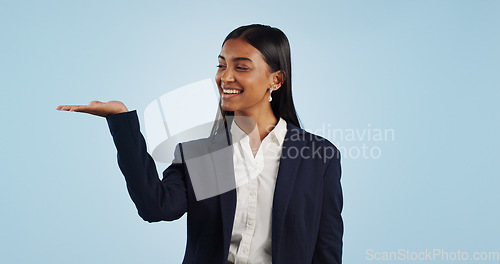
x=64 y=107
x=80 y=108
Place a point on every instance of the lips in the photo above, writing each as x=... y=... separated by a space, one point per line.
x=231 y=90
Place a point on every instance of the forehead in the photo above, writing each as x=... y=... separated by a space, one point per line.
x=239 y=48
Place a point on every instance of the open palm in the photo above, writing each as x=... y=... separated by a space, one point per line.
x=96 y=108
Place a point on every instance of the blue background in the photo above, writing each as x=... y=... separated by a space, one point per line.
x=426 y=70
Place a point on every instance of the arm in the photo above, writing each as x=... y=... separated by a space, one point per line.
x=155 y=200
x=329 y=243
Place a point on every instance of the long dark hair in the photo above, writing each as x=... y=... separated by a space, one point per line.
x=274 y=46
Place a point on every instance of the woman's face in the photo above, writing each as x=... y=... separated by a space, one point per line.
x=243 y=78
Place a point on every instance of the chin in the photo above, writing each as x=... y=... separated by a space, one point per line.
x=228 y=108
x=228 y=105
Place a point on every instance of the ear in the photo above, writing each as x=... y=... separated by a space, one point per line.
x=277 y=79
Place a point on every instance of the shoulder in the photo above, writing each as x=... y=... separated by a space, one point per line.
x=311 y=150
x=195 y=148
x=204 y=146
x=186 y=150
x=325 y=153
x=326 y=143
x=312 y=141
x=328 y=149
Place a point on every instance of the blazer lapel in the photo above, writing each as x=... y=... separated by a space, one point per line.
x=227 y=199
x=228 y=209
x=287 y=172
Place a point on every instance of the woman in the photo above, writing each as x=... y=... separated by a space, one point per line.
x=282 y=201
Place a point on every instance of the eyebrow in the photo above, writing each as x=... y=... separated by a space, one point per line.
x=237 y=58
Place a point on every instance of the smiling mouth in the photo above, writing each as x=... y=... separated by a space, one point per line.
x=231 y=91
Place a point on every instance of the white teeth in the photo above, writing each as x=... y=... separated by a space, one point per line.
x=231 y=91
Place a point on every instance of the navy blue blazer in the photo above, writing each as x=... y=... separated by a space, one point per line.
x=307 y=226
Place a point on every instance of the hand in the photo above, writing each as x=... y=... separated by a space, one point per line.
x=96 y=108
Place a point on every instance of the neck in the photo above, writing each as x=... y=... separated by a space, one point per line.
x=256 y=123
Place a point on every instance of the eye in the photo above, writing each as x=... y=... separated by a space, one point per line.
x=242 y=68
x=221 y=66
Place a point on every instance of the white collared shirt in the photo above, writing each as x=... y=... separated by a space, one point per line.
x=255 y=179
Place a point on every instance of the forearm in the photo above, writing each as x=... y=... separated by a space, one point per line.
x=155 y=200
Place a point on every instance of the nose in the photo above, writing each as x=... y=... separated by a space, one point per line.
x=227 y=76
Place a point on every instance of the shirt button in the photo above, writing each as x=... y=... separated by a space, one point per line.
x=251 y=222
x=245 y=250
x=253 y=193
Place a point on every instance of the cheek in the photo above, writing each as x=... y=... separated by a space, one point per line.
x=258 y=84
x=217 y=81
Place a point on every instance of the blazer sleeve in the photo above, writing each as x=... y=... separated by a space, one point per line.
x=329 y=242
x=155 y=199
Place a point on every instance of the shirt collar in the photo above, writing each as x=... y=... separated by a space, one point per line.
x=236 y=133
x=277 y=134
x=279 y=131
